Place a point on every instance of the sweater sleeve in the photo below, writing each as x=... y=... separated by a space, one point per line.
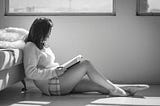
x=30 y=60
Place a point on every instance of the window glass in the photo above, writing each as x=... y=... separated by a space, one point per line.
x=60 y=6
x=149 y=7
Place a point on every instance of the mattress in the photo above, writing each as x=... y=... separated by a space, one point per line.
x=9 y=58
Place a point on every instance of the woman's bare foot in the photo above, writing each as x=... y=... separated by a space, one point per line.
x=133 y=88
x=118 y=92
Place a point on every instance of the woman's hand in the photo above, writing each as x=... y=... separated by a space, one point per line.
x=60 y=70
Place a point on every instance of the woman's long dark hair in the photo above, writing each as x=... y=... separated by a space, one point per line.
x=39 y=32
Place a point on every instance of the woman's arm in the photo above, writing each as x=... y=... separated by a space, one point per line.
x=31 y=59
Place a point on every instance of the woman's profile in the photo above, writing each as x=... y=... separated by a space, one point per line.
x=53 y=79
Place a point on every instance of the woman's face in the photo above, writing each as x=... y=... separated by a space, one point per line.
x=49 y=33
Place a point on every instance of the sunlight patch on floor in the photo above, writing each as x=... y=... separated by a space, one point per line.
x=133 y=101
x=24 y=105
x=30 y=103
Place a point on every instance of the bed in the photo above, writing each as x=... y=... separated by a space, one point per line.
x=11 y=57
x=11 y=68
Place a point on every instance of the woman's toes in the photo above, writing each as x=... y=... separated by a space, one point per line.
x=134 y=89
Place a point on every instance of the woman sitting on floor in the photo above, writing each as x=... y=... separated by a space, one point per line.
x=53 y=79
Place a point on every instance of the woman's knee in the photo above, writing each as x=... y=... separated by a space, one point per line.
x=86 y=62
x=83 y=65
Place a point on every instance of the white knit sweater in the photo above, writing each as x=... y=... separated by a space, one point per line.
x=39 y=64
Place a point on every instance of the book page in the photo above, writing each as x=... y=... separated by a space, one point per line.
x=72 y=61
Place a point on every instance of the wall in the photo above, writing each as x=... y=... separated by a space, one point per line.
x=125 y=47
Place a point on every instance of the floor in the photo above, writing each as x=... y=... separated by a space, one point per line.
x=12 y=97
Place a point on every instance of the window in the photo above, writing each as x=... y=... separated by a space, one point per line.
x=60 y=7
x=148 y=7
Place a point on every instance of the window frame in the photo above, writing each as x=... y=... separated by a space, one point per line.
x=61 y=13
x=138 y=13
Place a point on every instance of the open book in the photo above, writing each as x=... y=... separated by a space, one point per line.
x=72 y=62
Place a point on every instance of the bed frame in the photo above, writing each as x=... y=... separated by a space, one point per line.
x=11 y=76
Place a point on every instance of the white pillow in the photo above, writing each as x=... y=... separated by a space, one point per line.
x=13 y=34
x=19 y=44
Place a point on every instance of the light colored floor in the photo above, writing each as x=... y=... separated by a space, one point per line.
x=12 y=97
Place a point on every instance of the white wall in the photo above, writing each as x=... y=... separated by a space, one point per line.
x=125 y=47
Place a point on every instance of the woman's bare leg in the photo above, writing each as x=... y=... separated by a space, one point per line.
x=74 y=75
x=86 y=85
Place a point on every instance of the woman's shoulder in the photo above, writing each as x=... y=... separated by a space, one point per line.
x=30 y=51
x=30 y=46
